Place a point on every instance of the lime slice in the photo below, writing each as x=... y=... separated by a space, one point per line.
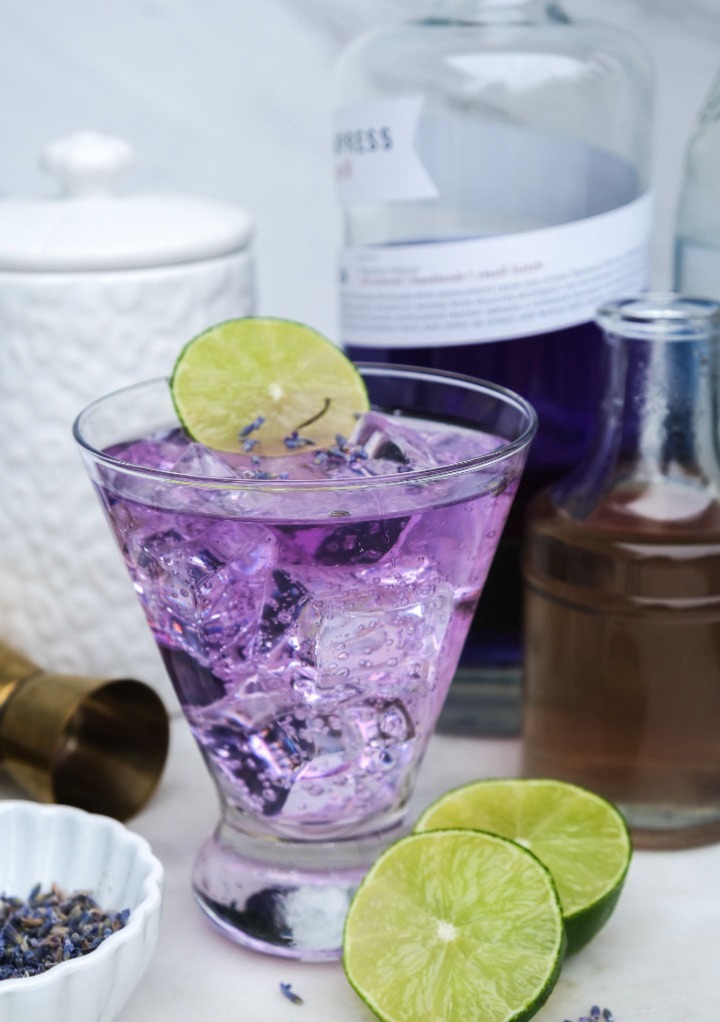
x=454 y=925
x=255 y=382
x=582 y=839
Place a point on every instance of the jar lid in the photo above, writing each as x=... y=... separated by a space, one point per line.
x=89 y=226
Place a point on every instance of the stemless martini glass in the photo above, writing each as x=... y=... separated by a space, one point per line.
x=311 y=612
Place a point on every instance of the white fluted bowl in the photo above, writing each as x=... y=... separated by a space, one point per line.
x=80 y=851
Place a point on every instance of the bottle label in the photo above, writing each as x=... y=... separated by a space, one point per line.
x=375 y=155
x=493 y=288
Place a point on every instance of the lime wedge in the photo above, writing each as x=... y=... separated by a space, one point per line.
x=257 y=382
x=582 y=839
x=451 y=926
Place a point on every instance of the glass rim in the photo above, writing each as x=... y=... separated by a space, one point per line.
x=370 y=369
x=660 y=316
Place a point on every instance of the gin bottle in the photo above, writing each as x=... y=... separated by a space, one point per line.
x=491 y=165
x=697 y=249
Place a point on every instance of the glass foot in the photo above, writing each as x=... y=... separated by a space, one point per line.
x=271 y=896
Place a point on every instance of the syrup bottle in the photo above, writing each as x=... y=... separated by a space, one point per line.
x=622 y=584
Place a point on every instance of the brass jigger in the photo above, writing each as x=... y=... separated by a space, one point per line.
x=94 y=743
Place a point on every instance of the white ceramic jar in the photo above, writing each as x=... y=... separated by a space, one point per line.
x=97 y=290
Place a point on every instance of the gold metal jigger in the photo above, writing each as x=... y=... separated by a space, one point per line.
x=95 y=743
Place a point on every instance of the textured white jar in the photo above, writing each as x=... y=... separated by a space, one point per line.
x=96 y=291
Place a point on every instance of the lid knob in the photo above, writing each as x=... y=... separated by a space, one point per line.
x=86 y=163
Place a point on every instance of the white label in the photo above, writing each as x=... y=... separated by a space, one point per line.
x=375 y=155
x=494 y=288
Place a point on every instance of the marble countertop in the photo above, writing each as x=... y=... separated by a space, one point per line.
x=655 y=961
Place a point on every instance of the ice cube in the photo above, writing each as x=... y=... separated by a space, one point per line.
x=269 y=758
x=283 y=605
x=381 y=721
x=230 y=605
x=169 y=556
x=360 y=542
x=146 y=551
x=167 y=594
x=386 y=732
x=160 y=451
x=249 y=542
x=387 y=643
x=198 y=460
x=255 y=747
x=230 y=599
x=392 y=445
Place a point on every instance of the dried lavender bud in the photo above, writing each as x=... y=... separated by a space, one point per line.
x=48 y=928
x=287 y=991
x=594 y=1015
x=295 y=441
x=251 y=427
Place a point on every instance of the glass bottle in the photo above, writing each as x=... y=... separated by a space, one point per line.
x=622 y=584
x=492 y=169
x=697 y=246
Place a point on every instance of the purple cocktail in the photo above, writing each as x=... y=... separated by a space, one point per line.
x=310 y=610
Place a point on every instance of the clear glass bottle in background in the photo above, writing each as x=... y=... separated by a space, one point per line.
x=622 y=572
x=492 y=168
x=697 y=246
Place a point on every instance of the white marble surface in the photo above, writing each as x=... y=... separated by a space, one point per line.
x=232 y=101
x=655 y=961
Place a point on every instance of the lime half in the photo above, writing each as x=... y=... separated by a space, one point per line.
x=582 y=839
x=451 y=926
x=267 y=385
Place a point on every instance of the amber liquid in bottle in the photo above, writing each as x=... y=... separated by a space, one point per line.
x=622 y=683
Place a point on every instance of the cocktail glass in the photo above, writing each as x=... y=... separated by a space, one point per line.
x=311 y=627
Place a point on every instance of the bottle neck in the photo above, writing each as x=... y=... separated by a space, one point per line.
x=667 y=420
x=657 y=441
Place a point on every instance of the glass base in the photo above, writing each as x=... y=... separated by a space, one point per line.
x=270 y=895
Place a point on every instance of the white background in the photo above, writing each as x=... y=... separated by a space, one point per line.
x=231 y=99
